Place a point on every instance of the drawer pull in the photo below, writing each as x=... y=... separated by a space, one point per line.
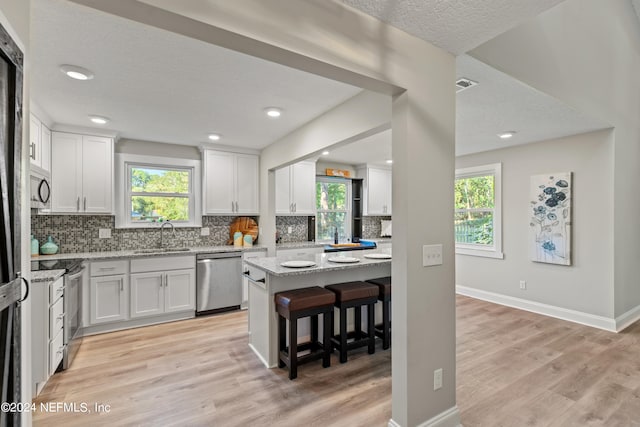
x=106 y=268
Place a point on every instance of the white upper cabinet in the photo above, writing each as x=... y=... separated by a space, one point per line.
x=81 y=173
x=230 y=183
x=377 y=190
x=39 y=144
x=296 y=189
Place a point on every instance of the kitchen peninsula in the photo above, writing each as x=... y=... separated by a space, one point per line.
x=267 y=276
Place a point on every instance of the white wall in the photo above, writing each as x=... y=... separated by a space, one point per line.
x=14 y=16
x=587 y=54
x=586 y=285
x=148 y=148
x=330 y=39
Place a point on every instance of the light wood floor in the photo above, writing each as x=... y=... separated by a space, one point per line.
x=514 y=369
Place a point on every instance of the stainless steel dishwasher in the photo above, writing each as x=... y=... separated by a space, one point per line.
x=218 y=282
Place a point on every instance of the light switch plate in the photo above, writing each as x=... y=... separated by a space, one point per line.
x=104 y=233
x=204 y=231
x=437 y=379
x=431 y=255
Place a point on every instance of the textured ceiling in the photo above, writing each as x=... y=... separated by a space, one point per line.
x=159 y=86
x=454 y=25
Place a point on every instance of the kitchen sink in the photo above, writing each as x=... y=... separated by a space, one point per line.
x=159 y=250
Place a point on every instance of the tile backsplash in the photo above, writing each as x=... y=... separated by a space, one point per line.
x=79 y=233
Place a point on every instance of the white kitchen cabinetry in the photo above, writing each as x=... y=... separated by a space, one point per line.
x=47 y=339
x=230 y=183
x=81 y=173
x=300 y=253
x=376 y=190
x=162 y=285
x=39 y=145
x=296 y=189
x=255 y=274
x=109 y=287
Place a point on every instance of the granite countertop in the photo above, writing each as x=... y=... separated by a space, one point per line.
x=188 y=251
x=147 y=252
x=271 y=265
x=46 y=275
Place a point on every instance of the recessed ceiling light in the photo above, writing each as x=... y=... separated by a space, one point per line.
x=273 y=112
x=214 y=137
x=507 y=135
x=76 y=72
x=325 y=153
x=99 y=120
x=389 y=161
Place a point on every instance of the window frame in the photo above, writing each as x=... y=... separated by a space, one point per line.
x=348 y=210
x=495 y=250
x=125 y=162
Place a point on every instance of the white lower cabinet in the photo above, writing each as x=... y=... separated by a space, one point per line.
x=162 y=285
x=156 y=293
x=108 y=298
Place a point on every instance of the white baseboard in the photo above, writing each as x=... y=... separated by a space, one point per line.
x=260 y=356
x=600 y=322
x=627 y=319
x=448 y=418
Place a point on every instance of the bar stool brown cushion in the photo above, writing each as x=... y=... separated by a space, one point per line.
x=349 y=291
x=302 y=299
x=384 y=284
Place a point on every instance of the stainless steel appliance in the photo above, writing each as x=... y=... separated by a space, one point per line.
x=40 y=191
x=218 y=282
x=72 y=313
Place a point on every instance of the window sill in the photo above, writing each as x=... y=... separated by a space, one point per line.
x=157 y=225
x=480 y=253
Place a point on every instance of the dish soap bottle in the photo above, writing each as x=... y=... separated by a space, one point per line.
x=34 y=246
x=335 y=236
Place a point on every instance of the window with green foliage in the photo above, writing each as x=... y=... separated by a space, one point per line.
x=333 y=205
x=477 y=211
x=158 y=194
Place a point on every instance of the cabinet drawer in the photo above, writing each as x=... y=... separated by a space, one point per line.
x=143 y=265
x=108 y=268
x=56 y=350
x=254 y=254
x=56 y=289
x=56 y=317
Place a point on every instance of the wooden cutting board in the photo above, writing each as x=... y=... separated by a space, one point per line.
x=245 y=225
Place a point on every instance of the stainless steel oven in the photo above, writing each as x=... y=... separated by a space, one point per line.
x=72 y=313
x=40 y=191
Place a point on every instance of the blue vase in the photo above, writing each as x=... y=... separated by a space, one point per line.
x=49 y=248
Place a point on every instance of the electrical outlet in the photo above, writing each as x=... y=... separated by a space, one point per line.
x=523 y=284
x=431 y=255
x=204 y=231
x=289 y=230
x=104 y=233
x=437 y=379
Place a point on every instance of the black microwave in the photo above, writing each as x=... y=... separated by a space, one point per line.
x=40 y=191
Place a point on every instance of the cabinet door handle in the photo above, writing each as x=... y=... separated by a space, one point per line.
x=295 y=207
x=237 y=208
x=121 y=285
x=85 y=203
x=78 y=204
x=233 y=207
x=32 y=148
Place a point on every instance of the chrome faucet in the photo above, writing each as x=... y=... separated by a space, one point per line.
x=162 y=232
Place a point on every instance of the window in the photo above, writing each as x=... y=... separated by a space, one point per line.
x=156 y=190
x=333 y=205
x=477 y=222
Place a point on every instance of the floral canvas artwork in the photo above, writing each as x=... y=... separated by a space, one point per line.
x=550 y=218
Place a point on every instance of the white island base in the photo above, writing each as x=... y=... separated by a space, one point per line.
x=263 y=319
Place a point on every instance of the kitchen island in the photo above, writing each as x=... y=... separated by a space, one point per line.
x=267 y=277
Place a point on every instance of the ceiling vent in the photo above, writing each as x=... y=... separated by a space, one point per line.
x=464 y=83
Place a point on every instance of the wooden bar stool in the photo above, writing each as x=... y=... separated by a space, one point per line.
x=354 y=295
x=384 y=330
x=296 y=304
